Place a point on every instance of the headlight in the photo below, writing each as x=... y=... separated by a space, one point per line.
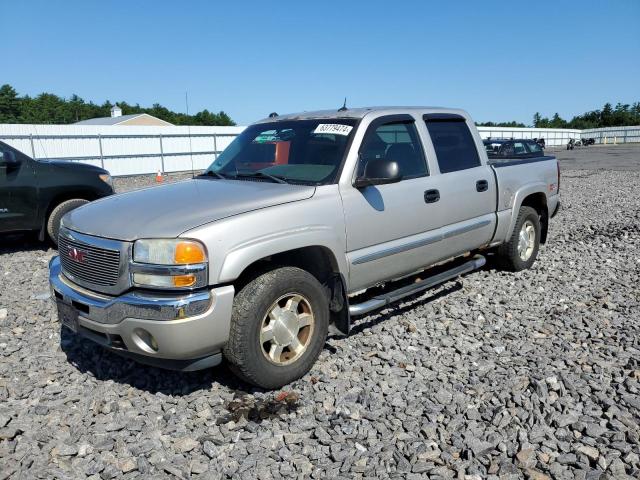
x=170 y=263
x=169 y=252
x=106 y=178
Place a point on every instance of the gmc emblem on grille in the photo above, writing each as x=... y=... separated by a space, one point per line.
x=76 y=254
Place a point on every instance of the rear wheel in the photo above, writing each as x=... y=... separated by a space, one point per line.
x=278 y=328
x=521 y=250
x=53 y=222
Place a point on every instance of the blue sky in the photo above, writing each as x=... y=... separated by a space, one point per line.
x=500 y=60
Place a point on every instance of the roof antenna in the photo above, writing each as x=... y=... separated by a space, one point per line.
x=344 y=106
x=186 y=101
x=273 y=115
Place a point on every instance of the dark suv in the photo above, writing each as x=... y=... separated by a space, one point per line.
x=512 y=148
x=36 y=194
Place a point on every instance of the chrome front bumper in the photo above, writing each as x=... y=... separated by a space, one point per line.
x=177 y=331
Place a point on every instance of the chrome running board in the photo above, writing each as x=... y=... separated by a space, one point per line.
x=385 y=299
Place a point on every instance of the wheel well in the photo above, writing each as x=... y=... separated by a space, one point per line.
x=63 y=197
x=538 y=201
x=319 y=262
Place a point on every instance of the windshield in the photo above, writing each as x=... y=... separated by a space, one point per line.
x=294 y=151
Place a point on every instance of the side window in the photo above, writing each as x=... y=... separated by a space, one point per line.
x=534 y=147
x=519 y=148
x=8 y=156
x=397 y=142
x=507 y=150
x=453 y=144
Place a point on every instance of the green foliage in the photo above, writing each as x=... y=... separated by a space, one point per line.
x=49 y=108
x=9 y=105
x=621 y=115
x=501 y=124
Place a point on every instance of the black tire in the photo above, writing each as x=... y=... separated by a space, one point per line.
x=508 y=254
x=244 y=351
x=53 y=222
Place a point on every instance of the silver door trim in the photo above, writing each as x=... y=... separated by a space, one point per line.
x=418 y=243
x=465 y=229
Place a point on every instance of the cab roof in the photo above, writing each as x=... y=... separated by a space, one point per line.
x=358 y=113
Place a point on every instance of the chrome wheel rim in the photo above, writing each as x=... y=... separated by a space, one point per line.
x=286 y=329
x=527 y=240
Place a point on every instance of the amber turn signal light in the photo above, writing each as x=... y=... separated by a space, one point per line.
x=184 y=280
x=189 y=252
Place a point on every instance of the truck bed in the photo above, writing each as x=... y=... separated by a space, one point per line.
x=516 y=179
x=507 y=162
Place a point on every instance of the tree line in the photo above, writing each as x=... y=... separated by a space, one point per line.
x=501 y=124
x=622 y=114
x=48 y=108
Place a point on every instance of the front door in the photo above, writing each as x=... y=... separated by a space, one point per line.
x=18 y=192
x=391 y=228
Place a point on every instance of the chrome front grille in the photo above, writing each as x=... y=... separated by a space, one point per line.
x=90 y=264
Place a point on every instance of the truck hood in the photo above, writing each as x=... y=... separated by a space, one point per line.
x=169 y=210
x=77 y=166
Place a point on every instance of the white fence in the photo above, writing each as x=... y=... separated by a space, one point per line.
x=553 y=137
x=560 y=136
x=613 y=135
x=128 y=150
x=123 y=150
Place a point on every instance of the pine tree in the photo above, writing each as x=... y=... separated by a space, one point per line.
x=9 y=105
x=536 y=120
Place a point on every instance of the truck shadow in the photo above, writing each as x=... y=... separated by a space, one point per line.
x=409 y=303
x=21 y=242
x=103 y=365
x=394 y=310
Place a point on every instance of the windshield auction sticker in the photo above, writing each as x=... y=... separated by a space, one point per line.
x=334 y=128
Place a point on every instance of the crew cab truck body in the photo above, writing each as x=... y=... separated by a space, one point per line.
x=304 y=221
x=36 y=194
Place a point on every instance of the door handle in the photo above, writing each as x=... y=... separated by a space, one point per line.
x=431 y=196
x=482 y=185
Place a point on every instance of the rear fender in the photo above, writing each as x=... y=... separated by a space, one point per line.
x=518 y=199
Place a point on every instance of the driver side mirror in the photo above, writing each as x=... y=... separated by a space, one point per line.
x=7 y=158
x=379 y=171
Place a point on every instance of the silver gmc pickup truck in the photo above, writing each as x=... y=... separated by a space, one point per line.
x=304 y=222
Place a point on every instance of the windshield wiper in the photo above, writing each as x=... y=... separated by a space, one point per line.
x=210 y=173
x=275 y=178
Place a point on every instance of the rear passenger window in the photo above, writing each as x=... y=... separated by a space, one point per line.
x=454 y=145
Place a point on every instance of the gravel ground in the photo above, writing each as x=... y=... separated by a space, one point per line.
x=125 y=184
x=497 y=375
x=611 y=157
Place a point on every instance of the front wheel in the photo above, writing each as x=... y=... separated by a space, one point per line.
x=521 y=249
x=53 y=222
x=279 y=326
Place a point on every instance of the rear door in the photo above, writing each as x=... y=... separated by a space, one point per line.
x=467 y=186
